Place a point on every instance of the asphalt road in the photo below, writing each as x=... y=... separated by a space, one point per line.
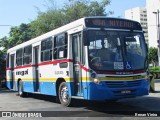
x=10 y=101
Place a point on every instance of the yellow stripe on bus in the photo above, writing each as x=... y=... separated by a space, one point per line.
x=84 y=79
x=54 y=79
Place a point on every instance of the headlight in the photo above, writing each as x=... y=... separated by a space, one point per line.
x=147 y=77
x=96 y=81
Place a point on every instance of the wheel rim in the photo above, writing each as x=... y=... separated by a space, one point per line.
x=64 y=94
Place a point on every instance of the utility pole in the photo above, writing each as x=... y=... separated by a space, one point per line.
x=158 y=36
x=158 y=33
x=6 y=25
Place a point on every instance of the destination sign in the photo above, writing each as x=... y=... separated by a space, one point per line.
x=112 y=23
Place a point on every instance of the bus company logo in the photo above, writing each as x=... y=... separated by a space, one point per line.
x=6 y=114
x=22 y=73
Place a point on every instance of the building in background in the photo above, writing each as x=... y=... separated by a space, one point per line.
x=139 y=14
x=153 y=6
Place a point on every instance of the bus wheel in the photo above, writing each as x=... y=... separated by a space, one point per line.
x=64 y=98
x=20 y=89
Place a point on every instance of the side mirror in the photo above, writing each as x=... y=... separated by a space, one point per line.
x=85 y=38
x=146 y=47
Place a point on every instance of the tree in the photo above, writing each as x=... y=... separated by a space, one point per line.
x=153 y=56
x=54 y=18
x=17 y=36
x=4 y=43
x=72 y=10
x=2 y=65
x=46 y=22
x=20 y=34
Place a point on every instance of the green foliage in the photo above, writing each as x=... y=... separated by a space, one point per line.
x=153 y=55
x=154 y=69
x=2 y=65
x=54 y=18
x=20 y=34
x=47 y=22
x=17 y=35
x=72 y=10
x=4 y=43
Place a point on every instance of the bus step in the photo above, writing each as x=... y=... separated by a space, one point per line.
x=37 y=92
x=77 y=97
x=13 y=89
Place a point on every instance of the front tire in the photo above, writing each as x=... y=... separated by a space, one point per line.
x=63 y=94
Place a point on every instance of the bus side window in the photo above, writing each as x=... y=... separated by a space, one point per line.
x=19 y=56
x=27 y=56
x=60 y=46
x=46 y=50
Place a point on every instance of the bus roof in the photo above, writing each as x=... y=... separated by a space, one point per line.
x=79 y=22
x=59 y=30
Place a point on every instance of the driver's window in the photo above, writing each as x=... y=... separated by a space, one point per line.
x=133 y=45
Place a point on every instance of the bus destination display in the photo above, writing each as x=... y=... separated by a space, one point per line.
x=112 y=23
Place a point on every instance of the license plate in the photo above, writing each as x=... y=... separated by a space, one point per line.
x=125 y=91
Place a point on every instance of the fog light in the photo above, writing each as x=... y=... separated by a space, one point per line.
x=97 y=81
x=147 y=77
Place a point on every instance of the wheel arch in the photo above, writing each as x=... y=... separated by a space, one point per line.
x=58 y=82
x=19 y=79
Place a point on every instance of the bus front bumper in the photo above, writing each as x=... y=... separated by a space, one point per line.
x=103 y=92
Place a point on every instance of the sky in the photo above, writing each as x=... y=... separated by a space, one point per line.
x=15 y=12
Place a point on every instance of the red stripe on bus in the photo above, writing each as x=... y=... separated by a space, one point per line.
x=55 y=62
x=19 y=67
x=26 y=66
x=84 y=68
x=65 y=60
x=51 y=62
x=139 y=71
x=8 y=68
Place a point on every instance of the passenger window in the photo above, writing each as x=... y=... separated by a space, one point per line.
x=27 y=56
x=46 y=50
x=60 y=46
x=19 y=57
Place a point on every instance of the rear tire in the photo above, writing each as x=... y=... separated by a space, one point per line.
x=63 y=94
x=20 y=89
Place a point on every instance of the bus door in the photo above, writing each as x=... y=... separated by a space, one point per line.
x=12 y=82
x=77 y=71
x=36 y=70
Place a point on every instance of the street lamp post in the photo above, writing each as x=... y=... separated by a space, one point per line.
x=158 y=33
x=6 y=25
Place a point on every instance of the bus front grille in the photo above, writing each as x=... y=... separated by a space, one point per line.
x=121 y=84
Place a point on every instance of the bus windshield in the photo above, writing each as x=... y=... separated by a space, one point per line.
x=116 y=50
